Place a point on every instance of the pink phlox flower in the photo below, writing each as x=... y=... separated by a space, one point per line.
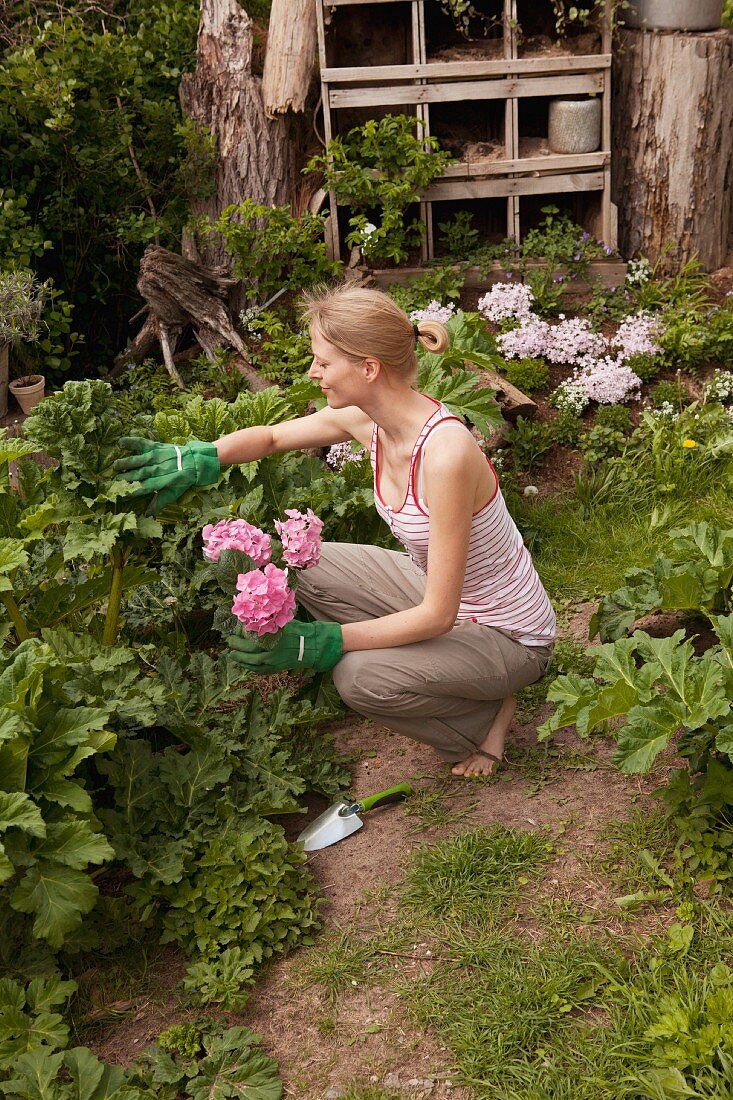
x=434 y=311
x=236 y=534
x=341 y=453
x=608 y=382
x=301 y=538
x=264 y=602
x=529 y=341
x=637 y=335
x=574 y=343
x=507 y=302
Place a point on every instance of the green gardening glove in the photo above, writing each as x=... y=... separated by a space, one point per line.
x=299 y=645
x=166 y=470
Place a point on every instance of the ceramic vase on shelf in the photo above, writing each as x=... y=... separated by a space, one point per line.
x=574 y=125
x=674 y=15
x=28 y=391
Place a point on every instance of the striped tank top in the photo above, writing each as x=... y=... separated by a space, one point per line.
x=501 y=587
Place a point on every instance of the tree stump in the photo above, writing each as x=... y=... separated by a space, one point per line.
x=290 y=57
x=673 y=145
x=256 y=157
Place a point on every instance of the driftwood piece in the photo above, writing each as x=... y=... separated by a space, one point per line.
x=673 y=145
x=513 y=402
x=290 y=57
x=256 y=157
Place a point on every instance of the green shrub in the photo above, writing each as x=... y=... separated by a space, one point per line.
x=527 y=375
x=379 y=170
x=617 y=417
x=669 y=393
x=600 y=443
x=272 y=249
x=458 y=237
x=530 y=439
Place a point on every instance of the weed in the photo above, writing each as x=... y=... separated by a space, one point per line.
x=429 y=805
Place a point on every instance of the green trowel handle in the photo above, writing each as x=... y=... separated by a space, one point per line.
x=384 y=798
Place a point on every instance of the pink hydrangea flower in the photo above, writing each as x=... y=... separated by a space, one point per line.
x=264 y=602
x=301 y=538
x=236 y=534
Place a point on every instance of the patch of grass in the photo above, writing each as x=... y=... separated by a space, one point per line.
x=348 y=961
x=636 y=851
x=369 y=1092
x=432 y=808
x=469 y=878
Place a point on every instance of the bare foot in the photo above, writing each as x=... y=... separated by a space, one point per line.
x=489 y=754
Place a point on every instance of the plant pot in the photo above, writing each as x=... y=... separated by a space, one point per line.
x=28 y=391
x=575 y=125
x=674 y=15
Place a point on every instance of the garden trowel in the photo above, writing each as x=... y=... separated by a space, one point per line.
x=342 y=819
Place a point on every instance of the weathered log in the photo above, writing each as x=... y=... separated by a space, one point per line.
x=290 y=57
x=513 y=402
x=673 y=145
x=256 y=156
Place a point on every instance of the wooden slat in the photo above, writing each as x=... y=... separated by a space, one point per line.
x=605 y=272
x=350 y=3
x=459 y=92
x=553 y=162
x=444 y=70
x=532 y=185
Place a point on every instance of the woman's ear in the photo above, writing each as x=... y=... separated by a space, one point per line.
x=372 y=368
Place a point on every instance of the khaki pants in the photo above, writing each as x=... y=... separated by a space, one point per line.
x=445 y=691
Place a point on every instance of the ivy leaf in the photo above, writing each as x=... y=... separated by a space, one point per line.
x=58 y=895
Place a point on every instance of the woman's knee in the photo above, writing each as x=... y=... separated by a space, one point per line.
x=363 y=684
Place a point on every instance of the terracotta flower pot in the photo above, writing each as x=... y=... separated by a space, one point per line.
x=674 y=15
x=28 y=391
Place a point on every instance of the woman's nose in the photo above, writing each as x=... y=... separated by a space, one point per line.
x=313 y=370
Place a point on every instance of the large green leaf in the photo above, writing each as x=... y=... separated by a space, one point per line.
x=12 y=557
x=58 y=896
x=13 y=449
x=573 y=696
x=64 y=728
x=235 y=1066
x=92 y=1079
x=74 y=843
x=17 y=811
x=647 y=732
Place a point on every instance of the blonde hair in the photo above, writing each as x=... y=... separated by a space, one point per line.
x=363 y=322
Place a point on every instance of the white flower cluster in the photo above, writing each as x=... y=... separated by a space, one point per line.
x=601 y=364
x=720 y=387
x=507 y=302
x=247 y=316
x=638 y=272
x=341 y=453
x=569 y=398
x=434 y=311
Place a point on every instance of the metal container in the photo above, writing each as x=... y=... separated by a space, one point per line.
x=575 y=125
x=674 y=15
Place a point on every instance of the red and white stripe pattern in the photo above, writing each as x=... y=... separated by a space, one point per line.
x=501 y=587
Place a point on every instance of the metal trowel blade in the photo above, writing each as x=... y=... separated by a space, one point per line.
x=334 y=824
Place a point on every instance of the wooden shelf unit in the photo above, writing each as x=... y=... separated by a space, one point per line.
x=409 y=82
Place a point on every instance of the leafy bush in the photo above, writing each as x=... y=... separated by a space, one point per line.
x=527 y=375
x=440 y=282
x=617 y=417
x=669 y=393
x=77 y=93
x=530 y=439
x=379 y=170
x=458 y=237
x=445 y=378
x=272 y=249
x=600 y=442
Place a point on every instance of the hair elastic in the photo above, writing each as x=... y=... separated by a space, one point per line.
x=416 y=330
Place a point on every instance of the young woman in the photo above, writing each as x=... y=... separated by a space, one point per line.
x=432 y=642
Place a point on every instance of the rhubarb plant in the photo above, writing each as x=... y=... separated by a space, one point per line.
x=696 y=575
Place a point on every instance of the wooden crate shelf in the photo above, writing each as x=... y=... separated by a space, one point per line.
x=513 y=159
